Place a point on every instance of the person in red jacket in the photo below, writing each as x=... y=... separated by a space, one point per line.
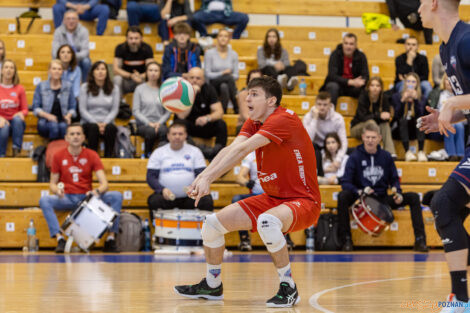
x=13 y=108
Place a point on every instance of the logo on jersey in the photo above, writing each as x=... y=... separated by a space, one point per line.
x=65 y=162
x=465 y=164
x=453 y=62
x=266 y=177
x=83 y=161
x=74 y=169
x=373 y=173
x=290 y=111
x=187 y=156
x=13 y=94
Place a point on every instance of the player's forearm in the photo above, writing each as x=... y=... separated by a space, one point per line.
x=222 y=153
x=457 y=117
x=225 y=163
x=461 y=102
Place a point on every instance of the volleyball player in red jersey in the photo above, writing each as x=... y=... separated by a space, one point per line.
x=287 y=172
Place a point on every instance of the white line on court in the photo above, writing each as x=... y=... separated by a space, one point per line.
x=314 y=298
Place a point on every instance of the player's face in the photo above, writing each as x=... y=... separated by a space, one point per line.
x=371 y=139
x=177 y=136
x=258 y=103
x=332 y=145
x=323 y=106
x=425 y=13
x=75 y=136
x=196 y=77
x=55 y=71
x=349 y=46
x=411 y=44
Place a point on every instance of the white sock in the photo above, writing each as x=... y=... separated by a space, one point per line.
x=213 y=277
x=110 y=237
x=285 y=275
x=59 y=237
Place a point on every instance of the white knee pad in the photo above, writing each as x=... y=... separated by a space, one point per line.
x=270 y=231
x=213 y=232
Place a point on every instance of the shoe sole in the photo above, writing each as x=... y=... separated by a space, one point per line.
x=273 y=305
x=206 y=297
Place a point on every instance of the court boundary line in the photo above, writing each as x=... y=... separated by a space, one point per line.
x=313 y=300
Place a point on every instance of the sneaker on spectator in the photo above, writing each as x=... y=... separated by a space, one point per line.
x=282 y=80
x=293 y=81
x=206 y=42
x=290 y=243
x=60 y=246
x=245 y=245
x=110 y=246
x=422 y=157
x=409 y=156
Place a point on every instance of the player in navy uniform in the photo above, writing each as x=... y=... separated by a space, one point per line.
x=449 y=204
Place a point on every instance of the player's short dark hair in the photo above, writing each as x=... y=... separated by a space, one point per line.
x=182 y=28
x=350 y=35
x=75 y=124
x=178 y=123
x=323 y=95
x=270 y=87
x=134 y=29
x=373 y=127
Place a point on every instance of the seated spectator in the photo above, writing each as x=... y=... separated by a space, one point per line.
x=181 y=55
x=273 y=60
x=219 y=11
x=348 y=71
x=412 y=62
x=140 y=11
x=13 y=108
x=409 y=106
x=321 y=120
x=437 y=70
x=171 y=169
x=454 y=144
x=71 y=32
x=54 y=103
x=332 y=174
x=2 y=52
x=130 y=59
x=242 y=105
x=372 y=170
x=173 y=12
x=248 y=177
x=74 y=167
x=72 y=73
x=204 y=120
x=221 y=69
x=407 y=12
x=88 y=10
x=147 y=109
x=373 y=107
x=99 y=106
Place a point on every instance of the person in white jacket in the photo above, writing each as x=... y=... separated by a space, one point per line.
x=321 y=120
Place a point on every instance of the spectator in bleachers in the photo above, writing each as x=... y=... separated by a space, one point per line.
x=171 y=169
x=130 y=59
x=54 y=103
x=219 y=11
x=72 y=73
x=13 y=108
x=173 y=12
x=221 y=69
x=74 y=167
x=2 y=52
x=181 y=55
x=88 y=10
x=73 y=33
x=242 y=105
x=371 y=170
x=99 y=106
x=408 y=107
x=454 y=144
x=273 y=60
x=407 y=12
x=204 y=120
x=348 y=71
x=373 y=107
x=148 y=111
x=140 y=11
x=438 y=71
x=412 y=61
x=321 y=120
x=332 y=173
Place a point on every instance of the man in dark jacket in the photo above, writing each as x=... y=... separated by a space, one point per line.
x=348 y=71
x=181 y=55
x=412 y=61
x=372 y=170
x=407 y=12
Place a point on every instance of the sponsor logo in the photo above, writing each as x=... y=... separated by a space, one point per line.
x=447 y=241
x=268 y=178
x=465 y=164
x=453 y=62
x=83 y=161
x=65 y=162
x=74 y=169
x=364 y=163
x=187 y=156
x=215 y=272
x=373 y=173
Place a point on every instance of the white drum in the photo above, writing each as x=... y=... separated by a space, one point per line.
x=179 y=227
x=89 y=222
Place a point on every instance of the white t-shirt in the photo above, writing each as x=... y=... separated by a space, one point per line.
x=250 y=162
x=176 y=166
x=216 y=6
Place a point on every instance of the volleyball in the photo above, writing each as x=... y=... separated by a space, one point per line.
x=177 y=95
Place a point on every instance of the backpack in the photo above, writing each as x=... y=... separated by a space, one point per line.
x=326 y=233
x=32 y=14
x=124 y=148
x=130 y=237
x=39 y=155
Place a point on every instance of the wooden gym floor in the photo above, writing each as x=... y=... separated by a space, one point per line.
x=360 y=282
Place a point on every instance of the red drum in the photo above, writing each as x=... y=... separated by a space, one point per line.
x=371 y=215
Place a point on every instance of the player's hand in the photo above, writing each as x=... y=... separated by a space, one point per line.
x=385 y=116
x=279 y=66
x=20 y=115
x=398 y=198
x=367 y=191
x=332 y=180
x=198 y=189
x=395 y=27
x=429 y=123
x=60 y=192
x=201 y=121
x=101 y=127
x=445 y=117
x=168 y=195
x=3 y=122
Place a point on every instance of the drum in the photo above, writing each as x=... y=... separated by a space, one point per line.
x=371 y=215
x=88 y=222
x=179 y=227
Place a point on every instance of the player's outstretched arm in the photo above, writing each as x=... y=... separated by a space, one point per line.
x=451 y=112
